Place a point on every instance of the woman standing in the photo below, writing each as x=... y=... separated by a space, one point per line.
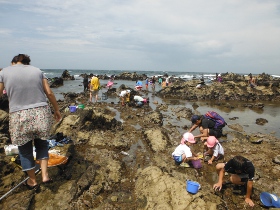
x=30 y=117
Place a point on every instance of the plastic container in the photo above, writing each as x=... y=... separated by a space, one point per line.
x=72 y=108
x=269 y=200
x=81 y=106
x=275 y=201
x=192 y=187
x=197 y=163
x=11 y=149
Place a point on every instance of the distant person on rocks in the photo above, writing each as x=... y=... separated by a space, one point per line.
x=153 y=82
x=242 y=173
x=30 y=117
x=147 y=83
x=183 y=153
x=139 y=101
x=124 y=94
x=201 y=84
x=94 y=88
x=251 y=81
x=112 y=77
x=85 y=82
x=220 y=79
x=207 y=127
x=214 y=150
x=166 y=81
x=159 y=80
x=138 y=85
x=110 y=83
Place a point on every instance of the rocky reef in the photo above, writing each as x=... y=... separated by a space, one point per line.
x=120 y=157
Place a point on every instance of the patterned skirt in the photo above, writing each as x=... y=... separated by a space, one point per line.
x=29 y=124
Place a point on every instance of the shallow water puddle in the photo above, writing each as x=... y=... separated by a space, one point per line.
x=118 y=114
x=130 y=159
x=137 y=126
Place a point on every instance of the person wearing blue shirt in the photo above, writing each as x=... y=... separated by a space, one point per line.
x=138 y=85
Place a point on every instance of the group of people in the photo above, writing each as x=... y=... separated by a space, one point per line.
x=93 y=86
x=242 y=170
x=152 y=82
x=125 y=97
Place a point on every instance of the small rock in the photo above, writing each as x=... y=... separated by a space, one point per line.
x=114 y=198
x=276 y=159
x=261 y=121
x=256 y=141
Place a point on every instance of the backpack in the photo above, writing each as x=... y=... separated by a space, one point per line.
x=219 y=121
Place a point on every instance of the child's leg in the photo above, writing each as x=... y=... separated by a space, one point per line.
x=184 y=157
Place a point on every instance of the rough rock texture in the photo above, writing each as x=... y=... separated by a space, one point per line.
x=120 y=158
x=227 y=90
x=66 y=75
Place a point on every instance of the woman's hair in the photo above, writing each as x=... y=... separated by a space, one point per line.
x=24 y=59
x=238 y=162
x=15 y=59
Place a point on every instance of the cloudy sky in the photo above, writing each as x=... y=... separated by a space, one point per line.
x=239 y=36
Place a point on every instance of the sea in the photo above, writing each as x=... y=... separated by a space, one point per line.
x=241 y=114
x=76 y=72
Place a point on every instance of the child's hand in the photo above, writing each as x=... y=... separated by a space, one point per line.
x=210 y=162
x=217 y=186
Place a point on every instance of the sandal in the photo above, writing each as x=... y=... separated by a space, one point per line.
x=185 y=165
x=29 y=187
x=49 y=181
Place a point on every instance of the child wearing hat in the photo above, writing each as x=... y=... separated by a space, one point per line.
x=214 y=149
x=123 y=94
x=182 y=153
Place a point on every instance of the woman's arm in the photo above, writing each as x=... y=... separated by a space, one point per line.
x=52 y=99
x=1 y=88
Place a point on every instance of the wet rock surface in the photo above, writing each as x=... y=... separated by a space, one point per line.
x=227 y=90
x=98 y=175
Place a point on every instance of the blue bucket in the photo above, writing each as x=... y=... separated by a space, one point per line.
x=269 y=200
x=192 y=187
x=72 y=108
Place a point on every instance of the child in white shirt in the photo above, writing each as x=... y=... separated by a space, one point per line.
x=215 y=149
x=183 y=153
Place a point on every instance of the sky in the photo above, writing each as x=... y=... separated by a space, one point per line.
x=239 y=36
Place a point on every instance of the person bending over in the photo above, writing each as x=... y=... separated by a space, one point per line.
x=182 y=153
x=206 y=127
x=242 y=173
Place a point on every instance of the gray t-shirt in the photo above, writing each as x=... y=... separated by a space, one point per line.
x=24 y=87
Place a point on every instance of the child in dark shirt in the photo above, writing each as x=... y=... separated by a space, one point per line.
x=242 y=173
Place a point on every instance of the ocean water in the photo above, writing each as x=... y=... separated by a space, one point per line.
x=245 y=116
x=76 y=72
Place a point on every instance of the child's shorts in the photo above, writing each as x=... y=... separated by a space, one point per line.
x=178 y=159
x=244 y=177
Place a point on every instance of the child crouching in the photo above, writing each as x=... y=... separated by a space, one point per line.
x=182 y=153
x=214 y=149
